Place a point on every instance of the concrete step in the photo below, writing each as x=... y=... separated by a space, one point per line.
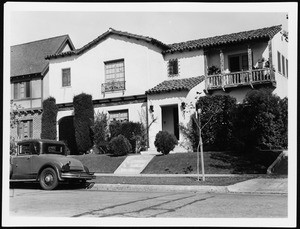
x=134 y=164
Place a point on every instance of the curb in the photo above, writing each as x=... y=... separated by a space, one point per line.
x=162 y=188
x=178 y=188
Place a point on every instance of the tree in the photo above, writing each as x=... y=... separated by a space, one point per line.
x=83 y=121
x=15 y=114
x=49 y=116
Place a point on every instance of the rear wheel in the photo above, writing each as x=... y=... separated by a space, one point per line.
x=48 y=179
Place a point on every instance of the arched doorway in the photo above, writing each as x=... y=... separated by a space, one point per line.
x=67 y=133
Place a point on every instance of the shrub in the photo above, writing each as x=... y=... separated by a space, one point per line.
x=119 y=146
x=133 y=131
x=263 y=118
x=13 y=146
x=217 y=120
x=165 y=142
x=100 y=130
x=83 y=121
x=49 y=115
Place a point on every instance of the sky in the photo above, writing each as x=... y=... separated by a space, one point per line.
x=166 y=22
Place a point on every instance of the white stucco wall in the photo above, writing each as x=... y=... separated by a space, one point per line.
x=191 y=63
x=280 y=44
x=144 y=68
x=158 y=101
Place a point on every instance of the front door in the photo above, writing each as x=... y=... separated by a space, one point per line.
x=170 y=119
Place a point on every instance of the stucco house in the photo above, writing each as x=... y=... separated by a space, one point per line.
x=138 y=78
x=29 y=77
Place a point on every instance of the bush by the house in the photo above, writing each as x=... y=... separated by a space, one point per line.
x=217 y=118
x=165 y=142
x=133 y=131
x=48 y=130
x=119 y=146
x=263 y=119
x=191 y=132
x=101 y=132
x=83 y=121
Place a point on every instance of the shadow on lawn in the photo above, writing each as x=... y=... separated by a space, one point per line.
x=236 y=163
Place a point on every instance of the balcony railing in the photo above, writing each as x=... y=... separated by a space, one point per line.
x=233 y=79
x=113 y=86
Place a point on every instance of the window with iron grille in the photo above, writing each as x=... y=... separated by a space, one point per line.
x=25 y=129
x=119 y=115
x=173 y=67
x=66 y=77
x=22 y=90
x=114 y=76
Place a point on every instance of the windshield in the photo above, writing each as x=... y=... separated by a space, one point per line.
x=54 y=149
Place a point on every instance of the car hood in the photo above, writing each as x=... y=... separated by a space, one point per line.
x=62 y=160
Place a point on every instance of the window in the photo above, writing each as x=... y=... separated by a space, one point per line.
x=279 y=61
x=287 y=68
x=22 y=90
x=114 y=76
x=114 y=71
x=24 y=149
x=238 y=63
x=173 y=68
x=66 y=77
x=283 y=65
x=24 y=129
x=121 y=115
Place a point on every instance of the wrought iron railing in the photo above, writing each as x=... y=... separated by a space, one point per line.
x=238 y=78
x=113 y=86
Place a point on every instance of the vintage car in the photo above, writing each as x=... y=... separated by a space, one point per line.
x=46 y=161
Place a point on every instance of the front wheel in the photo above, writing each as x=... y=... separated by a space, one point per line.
x=48 y=179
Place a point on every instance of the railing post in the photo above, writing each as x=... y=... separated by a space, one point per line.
x=250 y=64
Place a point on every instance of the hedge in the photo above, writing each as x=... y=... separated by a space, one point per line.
x=83 y=121
x=49 y=115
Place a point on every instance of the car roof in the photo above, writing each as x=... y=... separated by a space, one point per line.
x=40 y=141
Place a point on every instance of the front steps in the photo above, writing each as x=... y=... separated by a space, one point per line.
x=134 y=164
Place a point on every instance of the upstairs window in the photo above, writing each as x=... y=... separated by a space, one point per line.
x=173 y=67
x=22 y=90
x=283 y=65
x=238 y=63
x=120 y=115
x=114 y=76
x=66 y=77
x=279 y=61
x=114 y=71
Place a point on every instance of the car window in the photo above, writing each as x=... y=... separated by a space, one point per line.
x=54 y=149
x=24 y=149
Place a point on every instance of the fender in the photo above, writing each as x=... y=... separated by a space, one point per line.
x=53 y=165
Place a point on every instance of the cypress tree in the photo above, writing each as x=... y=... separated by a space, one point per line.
x=49 y=116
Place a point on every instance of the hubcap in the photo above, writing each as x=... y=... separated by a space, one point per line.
x=48 y=179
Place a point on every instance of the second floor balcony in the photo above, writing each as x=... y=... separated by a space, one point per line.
x=242 y=78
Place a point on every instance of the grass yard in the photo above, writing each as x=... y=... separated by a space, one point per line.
x=214 y=163
x=100 y=163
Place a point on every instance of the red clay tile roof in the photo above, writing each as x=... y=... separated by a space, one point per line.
x=104 y=36
x=263 y=33
x=29 y=58
x=185 y=84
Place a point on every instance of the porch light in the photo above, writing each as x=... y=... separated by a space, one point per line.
x=151 y=108
x=183 y=104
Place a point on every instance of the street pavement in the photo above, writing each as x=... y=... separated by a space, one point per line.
x=257 y=185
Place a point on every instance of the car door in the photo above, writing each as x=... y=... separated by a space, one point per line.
x=22 y=162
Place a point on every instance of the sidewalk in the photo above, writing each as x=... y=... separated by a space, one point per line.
x=255 y=186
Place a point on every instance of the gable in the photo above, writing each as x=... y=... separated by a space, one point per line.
x=29 y=58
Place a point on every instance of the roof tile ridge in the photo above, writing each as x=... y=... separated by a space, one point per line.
x=49 y=38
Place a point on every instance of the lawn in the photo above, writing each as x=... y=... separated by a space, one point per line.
x=100 y=163
x=214 y=163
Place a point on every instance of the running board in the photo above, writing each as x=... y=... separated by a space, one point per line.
x=22 y=180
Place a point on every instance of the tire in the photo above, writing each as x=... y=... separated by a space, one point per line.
x=48 y=179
